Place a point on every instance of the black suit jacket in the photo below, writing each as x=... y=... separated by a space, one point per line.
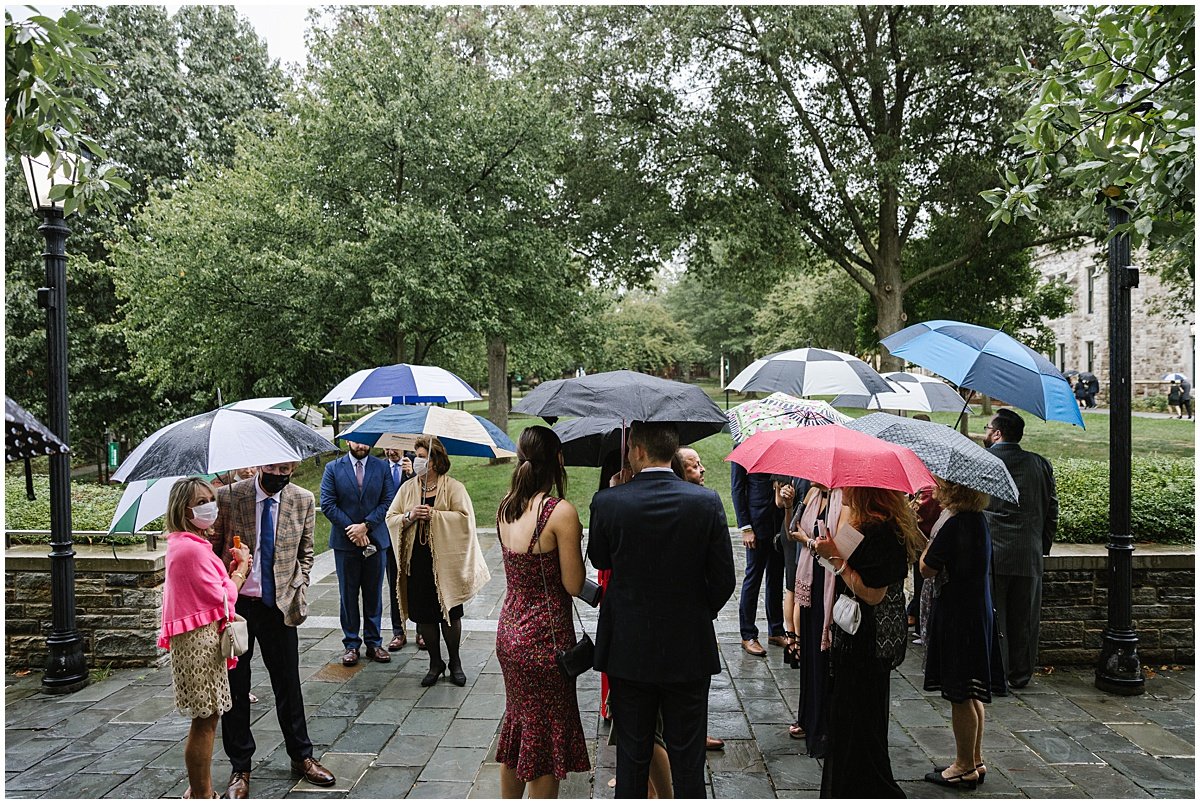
x=668 y=546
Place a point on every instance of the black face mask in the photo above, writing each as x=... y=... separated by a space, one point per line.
x=273 y=484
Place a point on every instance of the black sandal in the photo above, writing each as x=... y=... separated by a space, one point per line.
x=954 y=781
x=791 y=652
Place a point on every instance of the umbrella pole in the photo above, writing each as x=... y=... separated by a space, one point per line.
x=29 y=481
x=960 y=424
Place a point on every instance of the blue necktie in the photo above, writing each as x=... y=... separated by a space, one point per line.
x=396 y=474
x=266 y=553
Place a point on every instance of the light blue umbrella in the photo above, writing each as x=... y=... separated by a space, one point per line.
x=461 y=433
x=989 y=362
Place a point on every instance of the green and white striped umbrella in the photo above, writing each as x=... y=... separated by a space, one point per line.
x=274 y=404
x=143 y=502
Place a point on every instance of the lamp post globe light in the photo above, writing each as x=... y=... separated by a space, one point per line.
x=66 y=667
x=1119 y=670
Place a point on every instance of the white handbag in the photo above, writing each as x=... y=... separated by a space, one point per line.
x=847 y=614
x=235 y=639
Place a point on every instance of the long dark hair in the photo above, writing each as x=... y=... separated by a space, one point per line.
x=538 y=470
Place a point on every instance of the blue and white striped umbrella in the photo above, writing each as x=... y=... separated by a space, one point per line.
x=810 y=372
x=989 y=362
x=461 y=433
x=401 y=384
x=1174 y=376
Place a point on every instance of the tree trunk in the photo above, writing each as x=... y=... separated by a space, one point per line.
x=399 y=345
x=889 y=314
x=497 y=359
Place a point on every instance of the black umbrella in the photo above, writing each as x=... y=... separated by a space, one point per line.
x=1088 y=376
x=587 y=441
x=627 y=396
x=25 y=437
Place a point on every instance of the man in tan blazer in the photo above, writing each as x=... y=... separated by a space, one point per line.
x=275 y=520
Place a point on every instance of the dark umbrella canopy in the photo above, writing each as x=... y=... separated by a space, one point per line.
x=222 y=439
x=621 y=395
x=26 y=437
x=586 y=442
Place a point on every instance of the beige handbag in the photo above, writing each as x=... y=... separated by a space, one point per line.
x=235 y=639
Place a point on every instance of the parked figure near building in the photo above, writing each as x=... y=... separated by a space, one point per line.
x=1185 y=398
x=541 y=736
x=441 y=566
x=1022 y=534
x=962 y=658
x=759 y=521
x=400 y=469
x=1175 y=399
x=356 y=490
x=667 y=544
x=274 y=518
x=198 y=595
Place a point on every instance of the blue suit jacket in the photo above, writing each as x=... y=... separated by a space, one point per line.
x=343 y=505
x=754 y=502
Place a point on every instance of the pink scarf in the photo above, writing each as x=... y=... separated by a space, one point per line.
x=195 y=588
x=805 y=562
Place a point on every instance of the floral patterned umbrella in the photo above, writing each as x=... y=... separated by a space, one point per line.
x=779 y=411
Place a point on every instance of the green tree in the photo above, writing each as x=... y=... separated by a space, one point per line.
x=849 y=128
x=640 y=335
x=818 y=308
x=1113 y=111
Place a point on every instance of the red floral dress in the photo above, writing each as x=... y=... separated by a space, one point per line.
x=541 y=732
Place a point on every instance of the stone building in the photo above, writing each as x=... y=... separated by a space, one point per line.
x=1160 y=344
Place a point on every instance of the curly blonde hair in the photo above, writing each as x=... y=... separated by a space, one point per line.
x=869 y=505
x=957 y=496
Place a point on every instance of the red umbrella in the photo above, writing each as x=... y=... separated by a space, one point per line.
x=835 y=457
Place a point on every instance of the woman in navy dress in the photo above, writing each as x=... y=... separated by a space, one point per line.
x=962 y=658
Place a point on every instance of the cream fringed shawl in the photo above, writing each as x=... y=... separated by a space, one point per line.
x=459 y=571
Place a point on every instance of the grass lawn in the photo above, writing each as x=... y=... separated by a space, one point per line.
x=1055 y=440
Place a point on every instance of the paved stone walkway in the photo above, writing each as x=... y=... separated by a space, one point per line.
x=385 y=736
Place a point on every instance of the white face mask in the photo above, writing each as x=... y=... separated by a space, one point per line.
x=203 y=516
x=420 y=466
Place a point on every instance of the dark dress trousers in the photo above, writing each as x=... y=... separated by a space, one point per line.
x=1022 y=534
x=345 y=504
x=754 y=504
x=399 y=477
x=668 y=546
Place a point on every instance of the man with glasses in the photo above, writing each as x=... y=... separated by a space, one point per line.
x=274 y=519
x=1022 y=534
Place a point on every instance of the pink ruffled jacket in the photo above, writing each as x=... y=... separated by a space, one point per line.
x=195 y=588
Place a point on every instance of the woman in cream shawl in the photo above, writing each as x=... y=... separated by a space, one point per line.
x=439 y=563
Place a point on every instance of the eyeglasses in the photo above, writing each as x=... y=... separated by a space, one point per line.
x=988 y=427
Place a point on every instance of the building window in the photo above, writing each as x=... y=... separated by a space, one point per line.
x=1091 y=292
x=1091 y=356
x=1062 y=357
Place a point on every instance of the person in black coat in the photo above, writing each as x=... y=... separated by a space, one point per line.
x=668 y=546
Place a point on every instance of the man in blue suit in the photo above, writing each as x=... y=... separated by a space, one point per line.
x=667 y=544
x=759 y=520
x=356 y=491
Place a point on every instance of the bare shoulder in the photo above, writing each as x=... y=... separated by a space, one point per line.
x=565 y=510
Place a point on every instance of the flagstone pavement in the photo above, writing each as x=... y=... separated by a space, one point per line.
x=385 y=736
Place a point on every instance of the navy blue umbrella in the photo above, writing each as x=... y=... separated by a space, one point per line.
x=989 y=362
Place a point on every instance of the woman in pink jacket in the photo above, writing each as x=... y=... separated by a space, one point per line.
x=195 y=592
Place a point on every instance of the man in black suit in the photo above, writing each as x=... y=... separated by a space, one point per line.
x=667 y=544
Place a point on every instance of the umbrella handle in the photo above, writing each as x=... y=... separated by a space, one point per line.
x=29 y=481
x=966 y=405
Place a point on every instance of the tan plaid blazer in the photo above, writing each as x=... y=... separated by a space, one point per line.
x=294 y=522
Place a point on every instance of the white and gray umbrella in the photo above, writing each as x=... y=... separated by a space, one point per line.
x=810 y=372
x=945 y=451
x=220 y=440
x=918 y=392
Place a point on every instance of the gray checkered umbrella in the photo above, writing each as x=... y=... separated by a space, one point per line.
x=948 y=453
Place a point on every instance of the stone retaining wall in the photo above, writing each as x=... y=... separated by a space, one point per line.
x=1075 y=604
x=118 y=605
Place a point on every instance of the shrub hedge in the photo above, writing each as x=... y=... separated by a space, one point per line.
x=1164 y=507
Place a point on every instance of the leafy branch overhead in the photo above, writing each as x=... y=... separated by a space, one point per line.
x=1114 y=113
x=46 y=65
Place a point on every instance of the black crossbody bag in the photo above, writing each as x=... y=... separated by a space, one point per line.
x=577 y=660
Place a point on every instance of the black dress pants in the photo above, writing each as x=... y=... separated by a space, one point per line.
x=635 y=706
x=280 y=652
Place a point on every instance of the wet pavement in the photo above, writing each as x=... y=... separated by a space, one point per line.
x=385 y=736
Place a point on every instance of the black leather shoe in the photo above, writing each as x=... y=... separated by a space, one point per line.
x=433 y=675
x=954 y=781
x=457 y=676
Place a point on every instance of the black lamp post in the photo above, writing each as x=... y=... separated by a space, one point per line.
x=1119 y=670
x=66 y=668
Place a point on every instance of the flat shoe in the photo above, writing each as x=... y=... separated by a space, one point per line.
x=753 y=647
x=953 y=781
x=981 y=768
x=713 y=744
x=796 y=732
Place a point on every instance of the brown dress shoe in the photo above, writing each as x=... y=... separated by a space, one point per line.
x=713 y=744
x=753 y=647
x=313 y=772
x=398 y=642
x=350 y=657
x=239 y=785
x=777 y=640
x=378 y=654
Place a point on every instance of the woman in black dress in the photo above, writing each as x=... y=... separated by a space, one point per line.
x=857 y=764
x=812 y=622
x=963 y=653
